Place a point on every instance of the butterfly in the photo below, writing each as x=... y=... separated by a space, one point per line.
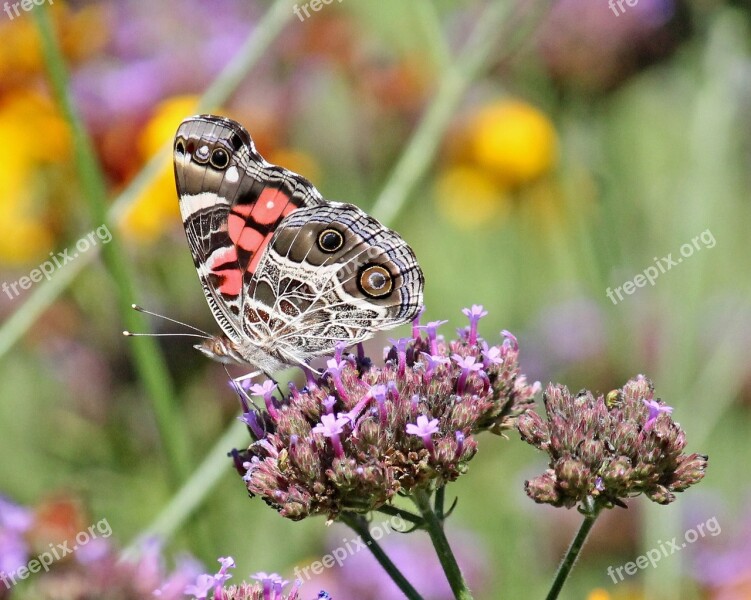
x=287 y=274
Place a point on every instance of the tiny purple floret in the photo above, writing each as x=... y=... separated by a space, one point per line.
x=425 y=428
x=474 y=314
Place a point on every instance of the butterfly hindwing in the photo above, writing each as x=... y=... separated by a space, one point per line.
x=332 y=273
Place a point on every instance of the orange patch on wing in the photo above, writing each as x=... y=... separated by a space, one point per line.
x=235 y=226
x=250 y=239
x=243 y=209
x=270 y=206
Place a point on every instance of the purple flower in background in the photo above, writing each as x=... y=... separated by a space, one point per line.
x=722 y=563
x=595 y=46
x=149 y=58
x=361 y=578
x=15 y=521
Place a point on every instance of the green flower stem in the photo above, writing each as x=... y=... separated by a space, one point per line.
x=148 y=360
x=360 y=527
x=440 y=501
x=266 y=30
x=442 y=548
x=573 y=551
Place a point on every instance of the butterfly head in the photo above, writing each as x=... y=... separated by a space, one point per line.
x=220 y=348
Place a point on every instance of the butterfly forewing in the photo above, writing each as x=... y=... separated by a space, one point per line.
x=286 y=274
x=231 y=201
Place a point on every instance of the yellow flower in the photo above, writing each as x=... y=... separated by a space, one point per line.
x=36 y=118
x=469 y=198
x=156 y=209
x=23 y=239
x=27 y=117
x=598 y=594
x=513 y=141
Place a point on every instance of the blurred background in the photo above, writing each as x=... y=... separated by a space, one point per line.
x=534 y=155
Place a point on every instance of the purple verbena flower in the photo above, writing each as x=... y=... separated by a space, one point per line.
x=401 y=352
x=266 y=391
x=15 y=521
x=416 y=324
x=379 y=393
x=432 y=328
x=468 y=364
x=425 y=428
x=329 y=404
x=334 y=368
x=474 y=314
x=492 y=356
x=320 y=458
x=509 y=340
x=655 y=410
x=331 y=426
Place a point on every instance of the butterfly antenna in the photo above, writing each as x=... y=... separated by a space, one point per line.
x=141 y=309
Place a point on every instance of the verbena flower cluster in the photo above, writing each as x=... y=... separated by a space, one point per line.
x=609 y=447
x=267 y=586
x=360 y=434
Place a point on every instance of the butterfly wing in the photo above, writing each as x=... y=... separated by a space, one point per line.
x=231 y=201
x=331 y=273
